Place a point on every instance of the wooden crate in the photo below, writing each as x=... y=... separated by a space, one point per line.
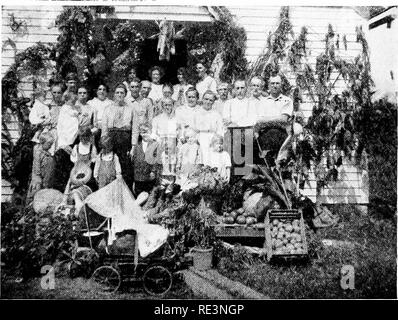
x=288 y=215
x=237 y=230
x=228 y=231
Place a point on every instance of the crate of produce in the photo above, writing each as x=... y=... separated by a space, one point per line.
x=236 y=224
x=236 y=230
x=285 y=234
x=239 y=223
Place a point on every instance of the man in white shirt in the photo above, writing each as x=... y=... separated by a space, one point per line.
x=223 y=91
x=86 y=111
x=276 y=106
x=143 y=107
x=237 y=111
x=256 y=100
x=278 y=109
x=146 y=87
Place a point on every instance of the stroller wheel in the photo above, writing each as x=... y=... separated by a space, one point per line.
x=107 y=278
x=157 y=280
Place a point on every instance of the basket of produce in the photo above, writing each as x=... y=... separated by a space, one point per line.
x=285 y=234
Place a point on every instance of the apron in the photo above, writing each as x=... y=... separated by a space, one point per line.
x=84 y=157
x=169 y=155
x=204 y=139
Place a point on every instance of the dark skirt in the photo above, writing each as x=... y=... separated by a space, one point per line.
x=97 y=140
x=121 y=141
x=63 y=167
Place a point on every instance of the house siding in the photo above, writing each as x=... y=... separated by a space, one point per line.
x=258 y=21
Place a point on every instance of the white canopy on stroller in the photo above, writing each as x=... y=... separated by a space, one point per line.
x=115 y=201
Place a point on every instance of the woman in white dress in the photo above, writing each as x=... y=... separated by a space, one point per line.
x=156 y=74
x=166 y=130
x=185 y=114
x=205 y=82
x=181 y=88
x=207 y=122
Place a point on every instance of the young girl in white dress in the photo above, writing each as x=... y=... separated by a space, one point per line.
x=189 y=154
x=218 y=158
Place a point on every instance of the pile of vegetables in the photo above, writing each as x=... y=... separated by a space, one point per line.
x=205 y=181
x=286 y=236
x=240 y=216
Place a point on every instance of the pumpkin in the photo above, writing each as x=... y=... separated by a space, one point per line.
x=47 y=199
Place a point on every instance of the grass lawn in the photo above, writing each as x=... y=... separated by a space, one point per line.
x=372 y=253
x=81 y=288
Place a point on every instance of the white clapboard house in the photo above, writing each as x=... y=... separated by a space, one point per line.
x=258 y=21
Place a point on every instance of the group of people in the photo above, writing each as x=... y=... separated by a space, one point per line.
x=148 y=132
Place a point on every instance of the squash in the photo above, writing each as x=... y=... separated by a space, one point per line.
x=251 y=220
x=240 y=210
x=142 y=198
x=264 y=204
x=251 y=202
x=241 y=220
x=233 y=214
x=228 y=220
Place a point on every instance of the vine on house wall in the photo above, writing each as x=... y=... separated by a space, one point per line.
x=276 y=51
x=31 y=64
x=347 y=125
x=221 y=37
x=76 y=50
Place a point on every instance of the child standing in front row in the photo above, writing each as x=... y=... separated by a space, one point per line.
x=189 y=154
x=218 y=158
x=107 y=166
x=145 y=161
x=43 y=165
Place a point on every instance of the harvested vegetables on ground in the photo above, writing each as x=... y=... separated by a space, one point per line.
x=152 y=199
x=208 y=181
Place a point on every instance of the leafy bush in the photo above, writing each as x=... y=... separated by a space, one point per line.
x=30 y=241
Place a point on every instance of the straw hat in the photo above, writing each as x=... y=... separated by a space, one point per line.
x=80 y=174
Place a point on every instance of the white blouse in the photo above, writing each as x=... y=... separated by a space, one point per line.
x=185 y=115
x=67 y=126
x=156 y=92
x=164 y=126
x=208 y=121
x=208 y=83
x=98 y=106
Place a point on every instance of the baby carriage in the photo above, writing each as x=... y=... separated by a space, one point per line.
x=127 y=250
